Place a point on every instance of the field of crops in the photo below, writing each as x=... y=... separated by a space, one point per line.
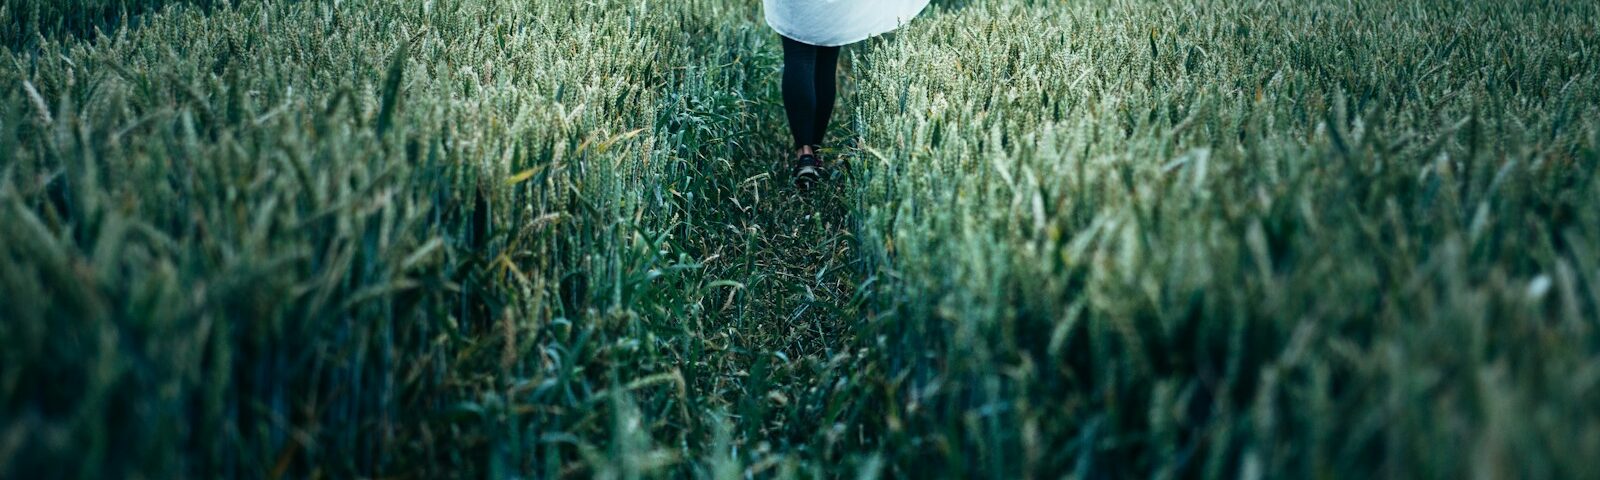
x=548 y=239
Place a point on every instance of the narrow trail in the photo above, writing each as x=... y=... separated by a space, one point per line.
x=781 y=326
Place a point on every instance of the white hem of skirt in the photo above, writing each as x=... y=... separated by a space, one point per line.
x=899 y=24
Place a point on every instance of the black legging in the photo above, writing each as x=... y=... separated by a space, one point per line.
x=810 y=84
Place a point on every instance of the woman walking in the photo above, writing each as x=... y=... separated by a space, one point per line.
x=813 y=31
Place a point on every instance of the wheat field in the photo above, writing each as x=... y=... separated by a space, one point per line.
x=553 y=239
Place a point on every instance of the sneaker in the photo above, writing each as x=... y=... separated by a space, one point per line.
x=807 y=172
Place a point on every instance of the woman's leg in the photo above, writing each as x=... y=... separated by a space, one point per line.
x=800 y=91
x=827 y=82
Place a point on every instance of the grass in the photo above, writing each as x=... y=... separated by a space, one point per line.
x=473 y=238
x=1264 y=237
x=24 y=22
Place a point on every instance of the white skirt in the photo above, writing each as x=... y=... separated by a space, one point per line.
x=831 y=23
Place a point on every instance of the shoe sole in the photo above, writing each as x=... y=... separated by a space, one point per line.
x=806 y=178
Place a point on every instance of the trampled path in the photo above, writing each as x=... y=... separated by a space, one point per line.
x=786 y=328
